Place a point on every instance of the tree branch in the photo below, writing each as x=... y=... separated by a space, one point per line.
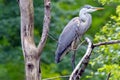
x=106 y=43
x=30 y=51
x=28 y=46
x=77 y=72
x=46 y=24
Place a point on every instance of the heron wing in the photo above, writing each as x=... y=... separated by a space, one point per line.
x=66 y=38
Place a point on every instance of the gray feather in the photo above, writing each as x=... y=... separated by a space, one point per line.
x=68 y=35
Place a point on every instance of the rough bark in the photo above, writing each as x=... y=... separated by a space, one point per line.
x=30 y=51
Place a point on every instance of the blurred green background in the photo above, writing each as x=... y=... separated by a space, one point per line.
x=105 y=27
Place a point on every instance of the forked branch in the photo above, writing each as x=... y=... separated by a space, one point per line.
x=78 y=71
x=30 y=51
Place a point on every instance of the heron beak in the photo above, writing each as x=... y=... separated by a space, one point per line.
x=99 y=8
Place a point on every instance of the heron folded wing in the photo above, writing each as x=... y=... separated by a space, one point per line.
x=66 y=38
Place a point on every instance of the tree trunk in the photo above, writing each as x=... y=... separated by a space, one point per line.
x=30 y=51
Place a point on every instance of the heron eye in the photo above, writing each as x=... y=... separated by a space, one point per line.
x=88 y=7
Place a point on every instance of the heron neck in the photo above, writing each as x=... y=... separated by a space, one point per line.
x=84 y=15
x=85 y=19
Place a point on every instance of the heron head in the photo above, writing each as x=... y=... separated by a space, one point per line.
x=89 y=8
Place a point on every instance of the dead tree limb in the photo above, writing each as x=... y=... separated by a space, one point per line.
x=78 y=71
x=30 y=51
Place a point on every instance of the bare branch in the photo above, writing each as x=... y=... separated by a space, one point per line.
x=30 y=51
x=77 y=72
x=67 y=76
x=52 y=37
x=108 y=76
x=106 y=43
x=46 y=24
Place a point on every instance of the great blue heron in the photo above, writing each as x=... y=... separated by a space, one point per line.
x=74 y=30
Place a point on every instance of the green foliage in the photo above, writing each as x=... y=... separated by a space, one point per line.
x=108 y=1
x=114 y=69
x=117 y=17
x=108 y=57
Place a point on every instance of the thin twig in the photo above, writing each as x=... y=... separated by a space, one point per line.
x=67 y=76
x=106 y=43
x=81 y=44
x=108 y=77
x=52 y=37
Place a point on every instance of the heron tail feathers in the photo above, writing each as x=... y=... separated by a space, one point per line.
x=60 y=54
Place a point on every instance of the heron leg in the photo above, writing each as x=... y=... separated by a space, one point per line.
x=74 y=48
x=73 y=59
